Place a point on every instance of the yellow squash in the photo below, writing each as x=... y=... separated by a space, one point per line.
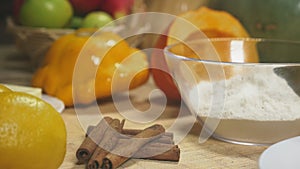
x=80 y=68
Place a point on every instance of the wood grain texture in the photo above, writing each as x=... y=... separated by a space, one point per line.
x=212 y=154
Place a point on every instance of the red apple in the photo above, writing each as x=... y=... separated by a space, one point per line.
x=117 y=8
x=159 y=68
x=82 y=7
x=160 y=71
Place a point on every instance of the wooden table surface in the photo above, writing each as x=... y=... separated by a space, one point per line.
x=16 y=69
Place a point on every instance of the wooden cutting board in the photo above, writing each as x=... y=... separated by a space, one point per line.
x=211 y=154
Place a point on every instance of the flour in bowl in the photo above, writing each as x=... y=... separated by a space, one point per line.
x=255 y=95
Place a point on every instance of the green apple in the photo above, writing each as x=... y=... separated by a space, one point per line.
x=96 y=19
x=46 y=13
x=75 y=22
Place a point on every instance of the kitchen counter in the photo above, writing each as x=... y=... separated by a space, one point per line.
x=16 y=69
x=211 y=154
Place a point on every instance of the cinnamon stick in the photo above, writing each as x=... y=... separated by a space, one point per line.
x=110 y=152
x=161 y=139
x=159 y=151
x=166 y=137
x=89 y=144
x=129 y=147
x=129 y=131
x=137 y=131
x=106 y=144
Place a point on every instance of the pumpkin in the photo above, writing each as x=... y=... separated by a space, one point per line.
x=268 y=18
x=84 y=67
x=213 y=23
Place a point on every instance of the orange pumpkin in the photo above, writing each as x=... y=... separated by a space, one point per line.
x=213 y=23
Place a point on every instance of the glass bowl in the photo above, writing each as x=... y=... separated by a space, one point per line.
x=243 y=90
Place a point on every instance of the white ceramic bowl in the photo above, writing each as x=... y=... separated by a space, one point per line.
x=243 y=91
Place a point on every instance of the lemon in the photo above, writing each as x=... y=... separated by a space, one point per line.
x=32 y=133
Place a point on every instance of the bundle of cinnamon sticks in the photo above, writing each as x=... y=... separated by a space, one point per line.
x=108 y=145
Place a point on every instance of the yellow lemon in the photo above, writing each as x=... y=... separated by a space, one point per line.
x=32 y=133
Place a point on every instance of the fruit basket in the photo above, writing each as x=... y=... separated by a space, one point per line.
x=34 y=42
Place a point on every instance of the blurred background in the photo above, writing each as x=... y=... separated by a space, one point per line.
x=6 y=7
x=5 y=10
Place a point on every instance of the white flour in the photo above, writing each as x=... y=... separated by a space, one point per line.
x=260 y=95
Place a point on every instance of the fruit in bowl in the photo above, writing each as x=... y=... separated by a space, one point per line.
x=96 y=19
x=82 y=7
x=117 y=8
x=45 y=13
x=36 y=24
